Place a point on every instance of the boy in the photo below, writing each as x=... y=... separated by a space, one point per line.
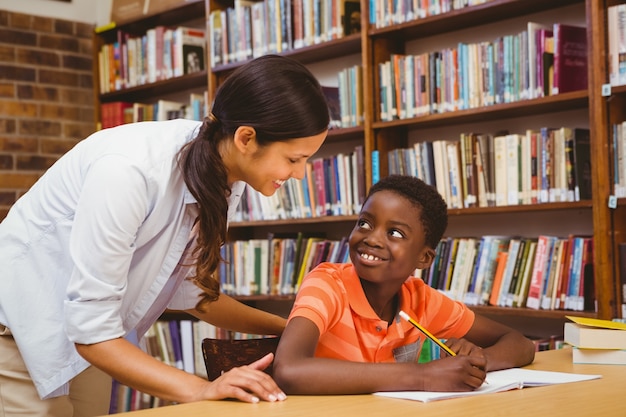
x=344 y=334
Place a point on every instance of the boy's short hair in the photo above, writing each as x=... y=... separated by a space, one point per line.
x=433 y=208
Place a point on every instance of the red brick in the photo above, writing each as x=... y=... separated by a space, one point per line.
x=12 y=72
x=7 y=198
x=59 y=43
x=21 y=21
x=7 y=90
x=32 y=57
x=64 y=26
x=58 y=111
x=47 y=76
x=19 y=144
x=7 y=53
x=79 y=131
x=34 y=162
x=86 y=81
x=43 y=24
x=18 y=37
x=14 y=108
x=13 y=180
x=78 y=96
x=85 y=30
x=39 y=128
x=4 y=18
x=7 y=126
x=37 y=92
x=6 y=161
x=76 y=62
x=57 y=146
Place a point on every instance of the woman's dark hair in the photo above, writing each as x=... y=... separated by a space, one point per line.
x=281 y=100
x=433 y=208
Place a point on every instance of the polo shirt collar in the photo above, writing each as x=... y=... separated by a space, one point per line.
x=360 y=305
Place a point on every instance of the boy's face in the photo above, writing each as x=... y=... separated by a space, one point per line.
x=388 y=242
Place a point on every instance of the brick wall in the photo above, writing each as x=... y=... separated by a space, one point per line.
x=46 y=96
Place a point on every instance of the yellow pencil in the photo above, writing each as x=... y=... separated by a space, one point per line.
x=427 y=333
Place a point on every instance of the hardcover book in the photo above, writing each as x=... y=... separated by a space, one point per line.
x=591 y=333
x=599 y=356
x=570 y=58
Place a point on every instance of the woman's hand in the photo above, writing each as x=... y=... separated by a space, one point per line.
x=246 y=383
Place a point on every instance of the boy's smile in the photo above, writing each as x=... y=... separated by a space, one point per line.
x=388 y=241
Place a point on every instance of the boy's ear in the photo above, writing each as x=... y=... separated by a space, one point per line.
x=426 y=258
x=245 y=139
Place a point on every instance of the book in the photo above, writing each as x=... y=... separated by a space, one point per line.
x=622 y=276
x=497 y=381
x=570 y=58
x=592 y=333
x=599 y=356
x=189 y=50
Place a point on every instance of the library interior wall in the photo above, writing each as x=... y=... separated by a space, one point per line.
x=46 y=94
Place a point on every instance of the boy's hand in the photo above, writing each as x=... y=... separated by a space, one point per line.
x=465 y=347
x=458 y=373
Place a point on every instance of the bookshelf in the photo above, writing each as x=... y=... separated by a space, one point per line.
x=167 y=87
x=376 y=45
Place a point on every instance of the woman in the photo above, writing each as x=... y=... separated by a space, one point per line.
x=130 y=222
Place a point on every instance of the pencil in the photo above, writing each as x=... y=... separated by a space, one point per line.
x=427 y=333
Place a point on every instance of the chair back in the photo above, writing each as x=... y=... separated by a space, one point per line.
x=221 y=355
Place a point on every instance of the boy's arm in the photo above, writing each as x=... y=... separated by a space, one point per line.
x=298 y=371
x=502 y=346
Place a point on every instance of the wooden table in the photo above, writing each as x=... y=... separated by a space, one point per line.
x=604 y=397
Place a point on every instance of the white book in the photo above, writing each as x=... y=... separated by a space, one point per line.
x=187 y=345
x=497 y=381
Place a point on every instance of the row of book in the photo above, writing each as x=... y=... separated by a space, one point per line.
x=546 y=272
x=333 y=185
x=250 y=29
x=485 y=170
x=276 y=265
x=616 y=19
x=159 y=54
x=345 y=102
x=540 y=61
x=388 y=13
x=120 y=112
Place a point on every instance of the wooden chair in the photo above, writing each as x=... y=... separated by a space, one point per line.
x=221 y=355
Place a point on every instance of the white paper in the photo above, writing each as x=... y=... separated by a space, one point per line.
x=498 y=381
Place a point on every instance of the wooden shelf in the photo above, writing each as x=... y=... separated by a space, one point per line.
x=196 y=80
x=322 y=51
x=489 y=12
x=184 y=13
x=523 y=108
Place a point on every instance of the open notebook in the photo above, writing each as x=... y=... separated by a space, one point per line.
x=504 y=380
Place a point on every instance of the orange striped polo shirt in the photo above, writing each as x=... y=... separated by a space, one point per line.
x=331 y=296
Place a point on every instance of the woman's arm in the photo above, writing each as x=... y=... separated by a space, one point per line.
x=133 y=367
x=298 y=371
x=228 y=313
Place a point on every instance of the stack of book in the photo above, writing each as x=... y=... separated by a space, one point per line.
x=596 y=341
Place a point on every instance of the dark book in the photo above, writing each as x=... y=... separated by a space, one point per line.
x=622 y=277
x=334 y=108
x=582 y=164
x=570 y=58
x=351 y=18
